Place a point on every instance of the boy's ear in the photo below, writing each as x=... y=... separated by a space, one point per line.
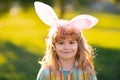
x=82 y=22
x=46 y=14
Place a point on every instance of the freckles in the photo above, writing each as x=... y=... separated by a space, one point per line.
x=58 y=48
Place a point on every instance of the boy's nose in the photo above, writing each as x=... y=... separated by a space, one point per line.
x=66 y=46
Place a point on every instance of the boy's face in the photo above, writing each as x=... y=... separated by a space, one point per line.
x=66 y=49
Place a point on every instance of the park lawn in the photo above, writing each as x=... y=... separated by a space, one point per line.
x=107 y=38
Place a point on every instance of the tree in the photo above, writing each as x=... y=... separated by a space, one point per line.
x=117 y=2
x=84 y=2
x=62 y=4
x=62 y=8
x=5 y=5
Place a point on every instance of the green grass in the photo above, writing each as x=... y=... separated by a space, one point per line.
x=24 y=29
x=22 y=42
x=104 y=37
x=109 y=21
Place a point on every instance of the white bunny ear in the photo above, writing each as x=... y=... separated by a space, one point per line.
x=46 y=14
x=82 y=22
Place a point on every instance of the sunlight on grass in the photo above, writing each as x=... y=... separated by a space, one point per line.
x=2 y=59
x=108 y=20
x=103 y=37
x=24 y=29
x=24 y=37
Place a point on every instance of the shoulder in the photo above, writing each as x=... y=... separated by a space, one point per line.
x=92 y=74
x=89 y=74
x=43 y=73
x=88 y=70
x=44 y=69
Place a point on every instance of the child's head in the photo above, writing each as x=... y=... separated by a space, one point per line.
x=66 y=31
x=62 y=39
x=58 y=36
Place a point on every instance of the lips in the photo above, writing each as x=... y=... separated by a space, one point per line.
x=67 y=52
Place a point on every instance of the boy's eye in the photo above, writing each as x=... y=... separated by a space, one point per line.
x=72 y=42
x=60 y=42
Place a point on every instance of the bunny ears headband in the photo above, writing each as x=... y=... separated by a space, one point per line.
x=49 y=17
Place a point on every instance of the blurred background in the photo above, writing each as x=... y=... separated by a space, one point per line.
x=23 y=34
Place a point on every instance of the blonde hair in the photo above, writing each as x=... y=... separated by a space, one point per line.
x=84 y=55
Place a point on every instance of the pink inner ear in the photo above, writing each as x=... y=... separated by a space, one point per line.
x=81 y=24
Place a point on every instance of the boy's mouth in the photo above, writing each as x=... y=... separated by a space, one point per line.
x=66 y=52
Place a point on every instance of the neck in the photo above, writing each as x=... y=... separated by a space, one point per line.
x=67 y=64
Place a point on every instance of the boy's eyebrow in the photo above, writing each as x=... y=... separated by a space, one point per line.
x=72 y=40
x=69 y=39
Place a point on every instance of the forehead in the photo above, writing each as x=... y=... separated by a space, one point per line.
x=64 y=33
x=67 y=38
